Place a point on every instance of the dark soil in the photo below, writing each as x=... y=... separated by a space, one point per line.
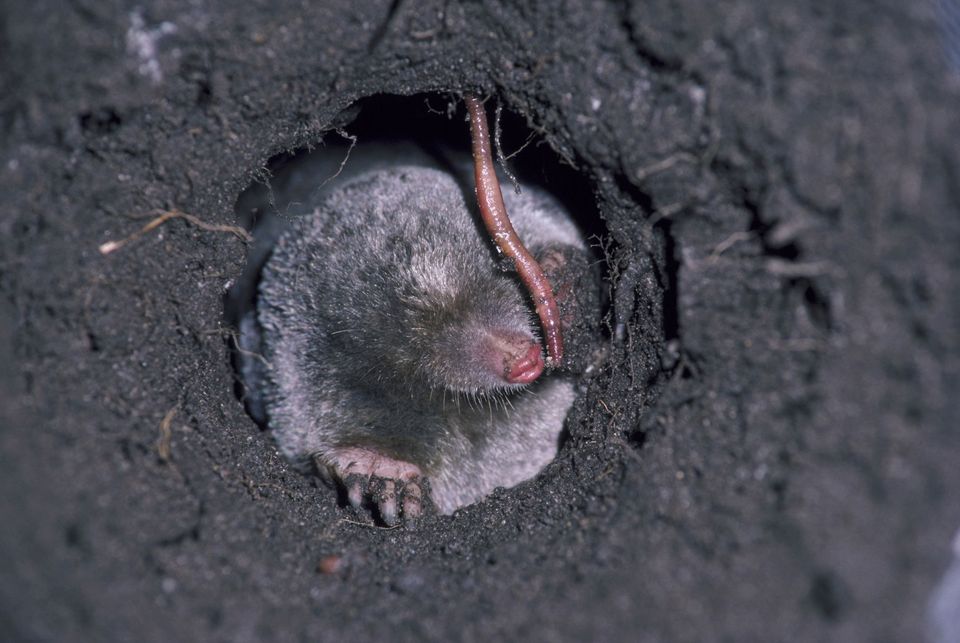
x=768 y=453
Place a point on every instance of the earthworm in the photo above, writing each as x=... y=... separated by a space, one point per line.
x=495 y=219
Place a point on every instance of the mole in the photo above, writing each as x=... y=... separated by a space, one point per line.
x=390 y=350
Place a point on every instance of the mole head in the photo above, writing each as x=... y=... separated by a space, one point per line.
x=476 y=334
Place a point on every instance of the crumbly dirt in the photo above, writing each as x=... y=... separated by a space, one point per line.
x=768 y=453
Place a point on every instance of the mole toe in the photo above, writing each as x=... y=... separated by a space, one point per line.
x=388 y=502
x=412 y=500
x=354 y=486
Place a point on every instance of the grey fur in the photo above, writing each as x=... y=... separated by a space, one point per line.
x=364 y=309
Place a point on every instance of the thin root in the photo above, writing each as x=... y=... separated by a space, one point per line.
x=500 y=157
x=346 y=157
x=240 y=233
x=369 y=525
x=166 y=434
x=728 y=243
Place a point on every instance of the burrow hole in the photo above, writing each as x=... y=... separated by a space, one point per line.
x=387 y=129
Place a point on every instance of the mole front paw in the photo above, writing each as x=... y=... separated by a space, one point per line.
x=393 y=487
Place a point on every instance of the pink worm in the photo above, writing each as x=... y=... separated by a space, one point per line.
x=494 y=215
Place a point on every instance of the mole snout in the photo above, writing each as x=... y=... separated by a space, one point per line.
x=514 y=356
x=507 y=356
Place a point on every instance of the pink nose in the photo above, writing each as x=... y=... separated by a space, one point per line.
x=527 y=368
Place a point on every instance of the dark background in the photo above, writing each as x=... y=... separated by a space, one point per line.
x=769 y=452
